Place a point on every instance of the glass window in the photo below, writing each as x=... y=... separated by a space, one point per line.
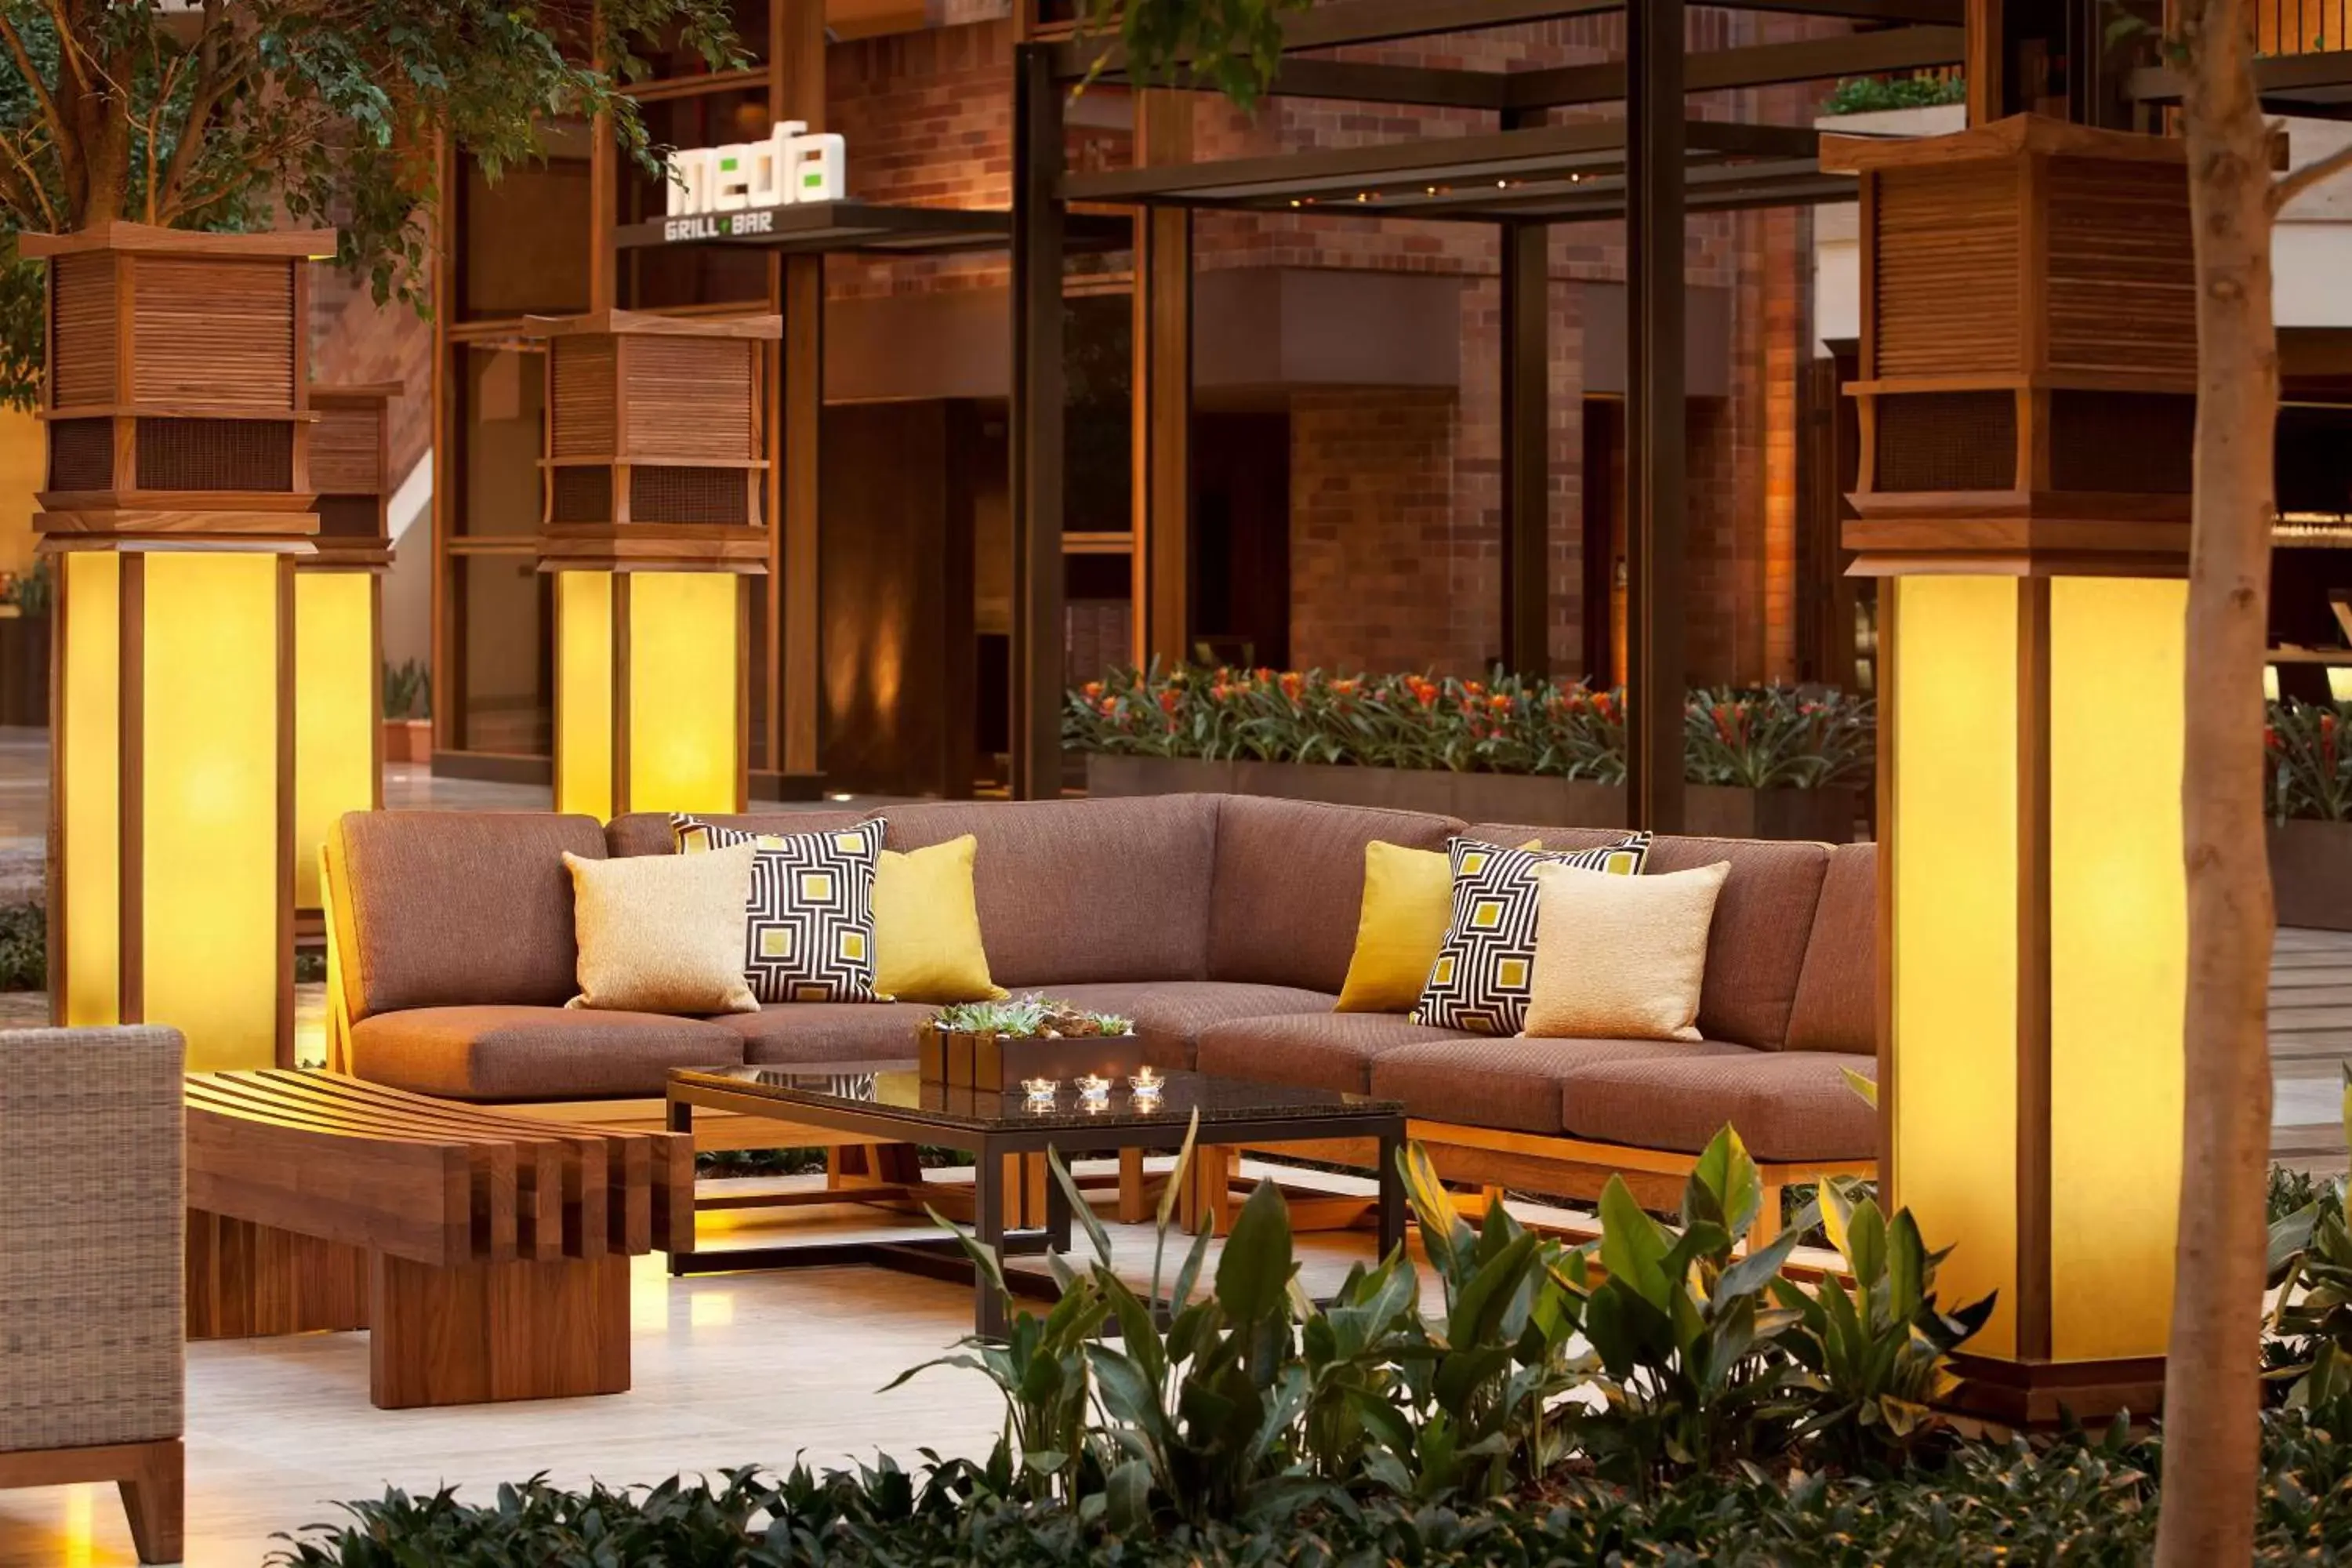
x=502 y=608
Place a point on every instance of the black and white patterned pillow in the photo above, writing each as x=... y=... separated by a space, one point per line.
x=809 y=929
x=1485 y=970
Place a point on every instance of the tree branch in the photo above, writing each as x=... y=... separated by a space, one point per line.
x=68 y=143
x=214 y=82
x=2296 y=182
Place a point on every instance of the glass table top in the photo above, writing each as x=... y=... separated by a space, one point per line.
x=897 y=1089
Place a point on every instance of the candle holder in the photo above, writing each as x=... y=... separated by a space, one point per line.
x=1094 y=1091
x=1041 y=1092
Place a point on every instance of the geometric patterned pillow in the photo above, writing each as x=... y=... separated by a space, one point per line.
x=1484 y=971
x=809 y=934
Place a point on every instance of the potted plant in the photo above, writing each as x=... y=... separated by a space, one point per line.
x=2311 y=813
x=407 y=712
x=1000 y=1045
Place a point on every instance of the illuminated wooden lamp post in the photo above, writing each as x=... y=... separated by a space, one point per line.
x=178 y=500
x=2027 y=409
x=655 y=469
x=339 y=626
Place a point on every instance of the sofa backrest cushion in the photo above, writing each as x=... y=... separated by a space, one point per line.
x=458 y=909
x=1755 y=948
x=1837 y=996
x=647 y=832
x=1072 y=891
x=1289 y=885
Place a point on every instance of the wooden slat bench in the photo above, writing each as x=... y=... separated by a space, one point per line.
x=487 y=1253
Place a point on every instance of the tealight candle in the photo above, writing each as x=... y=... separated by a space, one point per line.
x=1041 y=1088
x=1093 y=1087
x=1146 y=1081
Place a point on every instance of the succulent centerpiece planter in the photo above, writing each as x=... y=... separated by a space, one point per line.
x=998 y=1046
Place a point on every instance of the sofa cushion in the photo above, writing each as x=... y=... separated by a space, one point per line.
x=456 y=908
x=1837 y=1007
x=1076 y=891
x=534 y=1053
x=809 y=931
x=1787 y=1105
x=1171 y=1014
x=1312 y=1050
x=1512 y=1084
x=1762 y=920
x=799 y=1033
x=1289 y=885
x=649 y=832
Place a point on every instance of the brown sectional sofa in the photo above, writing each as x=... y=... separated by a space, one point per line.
x=1222 y=924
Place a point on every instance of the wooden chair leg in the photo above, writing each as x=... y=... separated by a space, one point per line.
x=155 y=1497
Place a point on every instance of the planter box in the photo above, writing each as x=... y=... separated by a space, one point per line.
x=1724 y=811
x=1716 y=811
x=998 y=1064
x=408 y=740
x=2311 y=873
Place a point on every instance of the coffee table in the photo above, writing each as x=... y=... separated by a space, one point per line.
x=889 y=1103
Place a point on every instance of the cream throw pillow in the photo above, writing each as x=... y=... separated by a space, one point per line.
x=1621 y=958
x=663 y=933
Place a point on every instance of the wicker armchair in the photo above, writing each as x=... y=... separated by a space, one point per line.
x=91 y=1220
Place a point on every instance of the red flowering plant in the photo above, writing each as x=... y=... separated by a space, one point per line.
x=1502 y=724
x=1776 y=738
x=2304 y=742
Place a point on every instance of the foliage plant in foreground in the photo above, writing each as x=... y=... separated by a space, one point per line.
x=2082 y=1501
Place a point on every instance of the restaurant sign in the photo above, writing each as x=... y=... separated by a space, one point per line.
x=719 y=191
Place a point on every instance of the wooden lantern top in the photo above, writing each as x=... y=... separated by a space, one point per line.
x=350 y=468
x=176 y=398
x=657 y=441
x=154 y=239
x=654 y=324
x=2028 y=350
x=2016 y=139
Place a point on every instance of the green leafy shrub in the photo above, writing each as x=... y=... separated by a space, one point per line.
x=2081 y=1499
x=2310 y=1353
x=23 y=947
x=1772 y=738
x=1878 y=94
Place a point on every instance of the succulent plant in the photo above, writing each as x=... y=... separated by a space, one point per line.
x=1029 y=1017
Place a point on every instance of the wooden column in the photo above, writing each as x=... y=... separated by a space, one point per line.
x=794 y=698
x=1527 y=449
x=178 y=496
x=339 y=621
x=1163 y=391
x=656 y=460
x=1655 y=417
x=1038 y=403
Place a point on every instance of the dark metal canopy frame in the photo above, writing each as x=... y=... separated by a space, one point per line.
x=1649 y=167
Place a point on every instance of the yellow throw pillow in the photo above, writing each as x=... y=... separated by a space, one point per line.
x=1408 y=899
x=1621 y=958
x=663 y=933
x=927 y=945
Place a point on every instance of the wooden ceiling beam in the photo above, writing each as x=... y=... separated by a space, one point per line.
x=1761 y=64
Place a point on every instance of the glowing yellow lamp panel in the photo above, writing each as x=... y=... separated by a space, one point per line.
x=336 y=680
x=683 y=707
x=1954 y=930
x=209 y=844
x=90 y=776
x=2118 y=958
x=583 y=693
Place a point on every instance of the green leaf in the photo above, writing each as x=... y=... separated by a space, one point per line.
x=1633 y=1245
x=1727 y=1171
x=1866 y=1243
x=1253 y=1272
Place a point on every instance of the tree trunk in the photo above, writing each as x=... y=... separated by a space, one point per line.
x=2212 y=1382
